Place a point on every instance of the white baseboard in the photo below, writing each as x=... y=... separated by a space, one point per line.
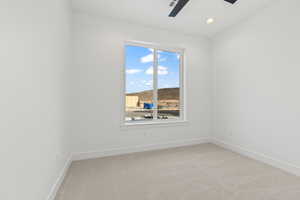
x=141 y=148
x=134 y=149
x=288 y=167
x=59 y=180
x=119 y=151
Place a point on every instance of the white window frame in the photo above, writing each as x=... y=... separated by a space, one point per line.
x=157 y=47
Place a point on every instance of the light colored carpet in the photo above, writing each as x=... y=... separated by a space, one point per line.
x=201 y=172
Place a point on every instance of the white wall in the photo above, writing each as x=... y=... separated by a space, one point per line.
x=98 y=61
x=34 y=38
x=257 y=98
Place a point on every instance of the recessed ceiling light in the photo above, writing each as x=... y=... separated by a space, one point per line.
x=210 y=20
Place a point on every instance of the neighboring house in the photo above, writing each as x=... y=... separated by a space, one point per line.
x=132 y=101
x=168 y=99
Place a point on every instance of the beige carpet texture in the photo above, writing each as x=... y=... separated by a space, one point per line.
x=200 y=172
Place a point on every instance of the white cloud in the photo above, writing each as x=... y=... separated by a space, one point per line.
x=161 y=70
x=148 y=58
x=162 y=59
x=149 y=83
x=149 y=71
x=133 y=71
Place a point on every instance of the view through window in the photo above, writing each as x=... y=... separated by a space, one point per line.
x=153 y=84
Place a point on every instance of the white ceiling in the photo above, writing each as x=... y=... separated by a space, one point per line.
x=191 y=20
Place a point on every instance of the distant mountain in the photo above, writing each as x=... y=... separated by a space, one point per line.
x=163 y=94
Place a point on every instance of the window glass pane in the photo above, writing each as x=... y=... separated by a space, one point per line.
x=168 y=77
x=139 y=83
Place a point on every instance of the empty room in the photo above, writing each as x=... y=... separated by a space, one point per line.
x=150 y=100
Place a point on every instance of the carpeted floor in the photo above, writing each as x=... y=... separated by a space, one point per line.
x=201 y=172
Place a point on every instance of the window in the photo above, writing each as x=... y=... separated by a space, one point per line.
x=153 y=84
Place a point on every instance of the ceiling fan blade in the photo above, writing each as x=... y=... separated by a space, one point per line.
x=231 y=1
x=178 y=7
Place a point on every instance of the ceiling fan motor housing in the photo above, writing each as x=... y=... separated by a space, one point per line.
x=231 y=1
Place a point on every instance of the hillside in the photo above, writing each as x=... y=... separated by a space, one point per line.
x=163 y=94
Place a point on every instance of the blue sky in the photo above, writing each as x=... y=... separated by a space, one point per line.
x=139 y=69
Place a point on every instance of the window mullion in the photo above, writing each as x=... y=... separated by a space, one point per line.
x=181 y=88
x=155 y=90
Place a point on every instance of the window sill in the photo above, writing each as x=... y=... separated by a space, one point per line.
x=127 y=125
